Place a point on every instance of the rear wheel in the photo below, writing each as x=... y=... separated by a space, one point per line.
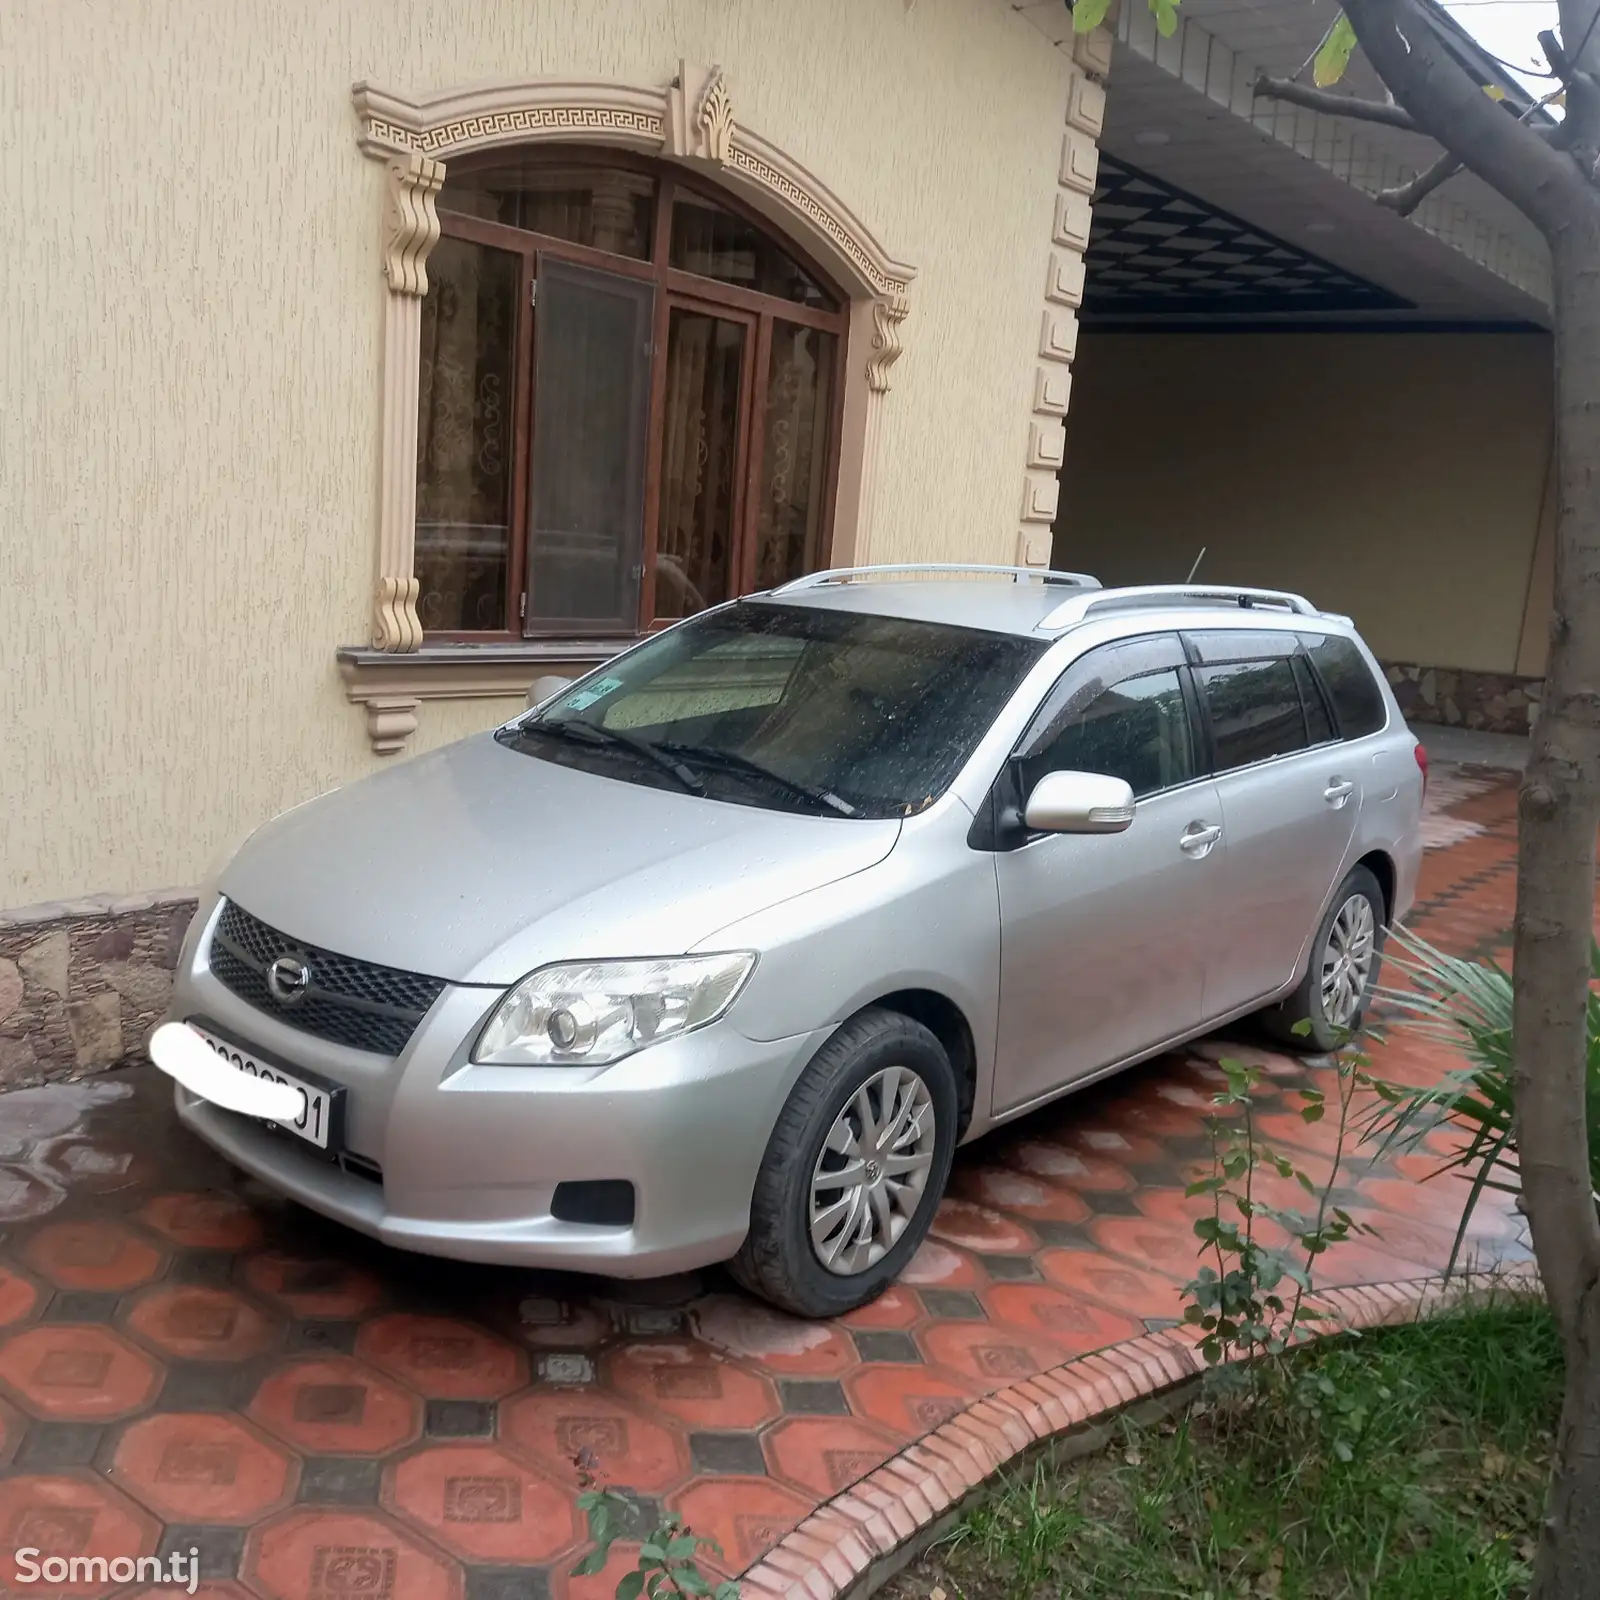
x=854 y=1168
x=1346 y=956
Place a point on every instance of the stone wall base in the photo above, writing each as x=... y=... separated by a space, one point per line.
x=1492 y=702
x=82 y=982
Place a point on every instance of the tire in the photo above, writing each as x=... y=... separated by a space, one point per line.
x=1306 y=1003
x=778 y=1259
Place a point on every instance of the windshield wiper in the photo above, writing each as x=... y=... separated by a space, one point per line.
x=732 y=761
x=593 y=734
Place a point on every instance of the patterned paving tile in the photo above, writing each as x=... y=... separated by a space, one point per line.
x=481 y=1504
x=184 y=1360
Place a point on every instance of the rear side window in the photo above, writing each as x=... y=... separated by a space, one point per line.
x=1357 y=699
x=1319 y=726
x=1255 y=711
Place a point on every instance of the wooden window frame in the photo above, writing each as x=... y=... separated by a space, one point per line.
x=675 y=287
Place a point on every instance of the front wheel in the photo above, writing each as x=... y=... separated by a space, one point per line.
x=853 y=1170
x=1346 y=955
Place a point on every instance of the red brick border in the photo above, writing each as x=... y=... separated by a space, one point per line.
x=833 y=1552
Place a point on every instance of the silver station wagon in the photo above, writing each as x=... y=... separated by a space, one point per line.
x=720 y=952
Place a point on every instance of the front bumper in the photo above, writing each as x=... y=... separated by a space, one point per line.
x=470 y=1156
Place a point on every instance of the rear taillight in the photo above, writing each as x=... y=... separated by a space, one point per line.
x=1422 y=765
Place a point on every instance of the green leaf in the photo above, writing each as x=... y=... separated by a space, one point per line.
x=590 y=1564
x=1328 y=68
x=1087 y=14
x=691 y=1581
x=1311 y=1113
x=630 y=1586
x=683 y=1549
x=652 y=1552
x=728 y=1589
x=1166 y=15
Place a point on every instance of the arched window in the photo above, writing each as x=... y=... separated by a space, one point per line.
x=629 y=400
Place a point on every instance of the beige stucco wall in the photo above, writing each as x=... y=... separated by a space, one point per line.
x=1394 y=477
x=188 y=417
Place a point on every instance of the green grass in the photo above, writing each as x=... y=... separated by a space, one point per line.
x=1406 y=1465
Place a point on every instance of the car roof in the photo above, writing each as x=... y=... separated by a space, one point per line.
x=1051 y=605
x=966 y=603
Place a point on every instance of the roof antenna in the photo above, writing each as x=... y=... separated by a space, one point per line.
x=1196 y=567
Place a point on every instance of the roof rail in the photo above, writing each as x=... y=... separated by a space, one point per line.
x=813 y=580
x=1162 y=595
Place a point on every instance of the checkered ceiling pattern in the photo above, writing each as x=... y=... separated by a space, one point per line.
x=1156 y=251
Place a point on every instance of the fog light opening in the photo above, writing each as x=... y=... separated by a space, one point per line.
x=600 y=1202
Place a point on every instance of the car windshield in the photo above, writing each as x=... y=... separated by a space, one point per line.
x=795 y=708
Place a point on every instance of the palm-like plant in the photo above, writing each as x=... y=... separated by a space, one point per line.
x=1467 y=1005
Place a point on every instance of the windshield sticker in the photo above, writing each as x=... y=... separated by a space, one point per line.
x=584 y=698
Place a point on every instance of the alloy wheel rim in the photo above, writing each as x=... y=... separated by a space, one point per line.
x=872 y=1171
x=1347 y=960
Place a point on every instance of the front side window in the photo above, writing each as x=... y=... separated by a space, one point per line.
x=627 y=405
x=1255 y=711
x=794 y=708
x=1137 y=730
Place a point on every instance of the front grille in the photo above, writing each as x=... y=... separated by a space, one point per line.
x=357 y=1003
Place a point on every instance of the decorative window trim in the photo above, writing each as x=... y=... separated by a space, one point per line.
x=691 y=120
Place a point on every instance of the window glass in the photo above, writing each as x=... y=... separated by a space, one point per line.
x=586 y=497
x=714 y=243
x=700 y=445
x=794 y=453
x=602 y=207
x=624 y=447
x=744 y=671
x=1355 y=693
x=1319 y=725
x=793 y=708
x=1137 y=730
x=464 y=442
x=1255 y=711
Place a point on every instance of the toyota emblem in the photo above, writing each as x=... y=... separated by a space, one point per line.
x=288 y=979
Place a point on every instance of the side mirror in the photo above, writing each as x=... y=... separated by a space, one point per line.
x=1079 y=802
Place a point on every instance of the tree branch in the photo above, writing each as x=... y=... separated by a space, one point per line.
x=1407 y=54
x=1333 y=105
x=1406 y=197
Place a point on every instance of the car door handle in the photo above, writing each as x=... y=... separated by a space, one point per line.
x=1198 y=839
x=1338 y=791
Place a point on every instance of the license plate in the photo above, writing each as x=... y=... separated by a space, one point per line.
x=319 y=1104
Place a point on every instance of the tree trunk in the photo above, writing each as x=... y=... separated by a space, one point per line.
x=1569 y=1547
x=1559 y=812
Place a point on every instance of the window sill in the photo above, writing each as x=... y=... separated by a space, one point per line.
x=391 y=686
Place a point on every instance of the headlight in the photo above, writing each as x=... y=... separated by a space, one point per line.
x=590 y=1013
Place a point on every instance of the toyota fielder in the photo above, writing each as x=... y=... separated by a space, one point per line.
x=719 y=953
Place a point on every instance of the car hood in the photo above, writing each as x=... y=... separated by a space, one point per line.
x=478 y=863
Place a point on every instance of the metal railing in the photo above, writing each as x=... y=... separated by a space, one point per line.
x=1046 y=575
x=1173 y=596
